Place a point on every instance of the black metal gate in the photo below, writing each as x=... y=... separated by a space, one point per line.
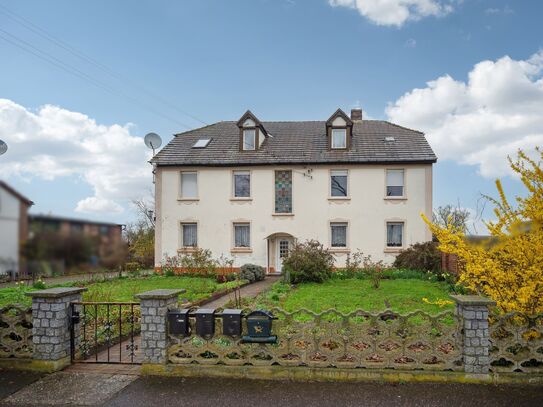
x=105 y=332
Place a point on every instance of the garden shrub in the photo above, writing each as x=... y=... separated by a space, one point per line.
x=132 y=266
x=308 y=262
x=420 y=256
x=252 y=272
x=199 y=261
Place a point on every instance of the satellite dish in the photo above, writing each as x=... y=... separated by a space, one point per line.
x=153 y=141
x=3 y=147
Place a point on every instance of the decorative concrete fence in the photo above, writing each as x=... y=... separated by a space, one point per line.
x=331 y=339
x=471 y=341
x=16 y=332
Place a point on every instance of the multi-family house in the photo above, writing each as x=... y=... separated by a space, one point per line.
x=13 y=228
x=249 y=188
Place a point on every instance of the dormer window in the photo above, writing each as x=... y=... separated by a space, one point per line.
x=339 y=138
x=339 y=128
x=251 y=132
x=249 y=139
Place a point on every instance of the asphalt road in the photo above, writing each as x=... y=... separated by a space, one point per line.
x=240 y=393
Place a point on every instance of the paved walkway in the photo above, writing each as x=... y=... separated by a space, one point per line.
x=249 y=291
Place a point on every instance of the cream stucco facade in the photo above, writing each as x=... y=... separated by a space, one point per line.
x=366 y=210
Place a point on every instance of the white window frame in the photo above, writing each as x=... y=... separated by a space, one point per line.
x=188 y=223
x=241 y=172
x=403 y=195
x=335 y=172
x=242 y=223
x=332 y=139
x=254 y=139
x=339 y=223
x=395 y=222
x=188 y=198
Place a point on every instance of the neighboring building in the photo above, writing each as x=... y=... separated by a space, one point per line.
x=248 y=189
x=13 y=227
x=108 y=234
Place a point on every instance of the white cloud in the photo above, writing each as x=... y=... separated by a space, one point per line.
x=481 y=121
x=411 y=43
x=396 y=12
x=53 y=142
x=493 y=10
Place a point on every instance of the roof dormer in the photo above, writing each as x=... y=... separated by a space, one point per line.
x=339 y=129
x=251 y=132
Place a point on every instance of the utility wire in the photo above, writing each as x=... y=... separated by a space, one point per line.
x=67 y=47
x=26 y=46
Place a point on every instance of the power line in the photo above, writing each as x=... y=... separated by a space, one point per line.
x=26 y=46
x=72 y=50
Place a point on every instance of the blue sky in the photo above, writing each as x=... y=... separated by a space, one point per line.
x=283 y=59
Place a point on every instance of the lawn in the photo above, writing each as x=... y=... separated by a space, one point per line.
x=124 y=289
x=401 y=295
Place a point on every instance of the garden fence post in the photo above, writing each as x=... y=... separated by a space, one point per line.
x=51 y=325
x=154 y=307
x=473 y=312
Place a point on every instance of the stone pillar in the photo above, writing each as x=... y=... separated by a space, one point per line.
x=51 y=326
x=154 y=335
x=473 y=311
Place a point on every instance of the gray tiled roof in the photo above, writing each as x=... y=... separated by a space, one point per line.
x=297 y=143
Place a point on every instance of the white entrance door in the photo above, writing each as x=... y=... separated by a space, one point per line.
x=283 y=247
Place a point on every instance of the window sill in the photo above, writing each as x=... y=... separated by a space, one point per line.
x=187 y=250
x=241 y=199
x=393 y=249
x=339 y=198
x=282 y=214
x=339 y=250
x=188 y=199
x=241 y=250
x=395 y=198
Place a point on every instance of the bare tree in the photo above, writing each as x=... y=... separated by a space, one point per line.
x=450 y=215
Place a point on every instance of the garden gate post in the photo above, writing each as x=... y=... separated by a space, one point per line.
x=51 y=326
x=473 y=311
x=154 y=335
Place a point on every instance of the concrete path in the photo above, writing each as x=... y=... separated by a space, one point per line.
x=249 y=291
x=78 y=389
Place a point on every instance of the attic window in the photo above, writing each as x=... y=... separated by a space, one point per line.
x=202 y=143
x=339 y=138
x=390 y=139
x=249 y=139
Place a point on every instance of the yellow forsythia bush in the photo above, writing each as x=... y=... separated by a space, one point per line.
x=510 y=269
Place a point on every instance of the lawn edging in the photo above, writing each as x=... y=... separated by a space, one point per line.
x=336 y=375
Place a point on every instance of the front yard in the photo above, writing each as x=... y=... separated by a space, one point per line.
x=400 y=295
x=123 y=289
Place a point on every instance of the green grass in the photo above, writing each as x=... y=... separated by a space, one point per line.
x=402 y=295
x=124 y=289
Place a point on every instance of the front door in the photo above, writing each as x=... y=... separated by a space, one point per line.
x=283 y=247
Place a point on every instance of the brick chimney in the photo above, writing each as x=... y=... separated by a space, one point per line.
x=356 y=115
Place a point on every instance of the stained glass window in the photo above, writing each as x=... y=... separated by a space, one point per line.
x=283 y=191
